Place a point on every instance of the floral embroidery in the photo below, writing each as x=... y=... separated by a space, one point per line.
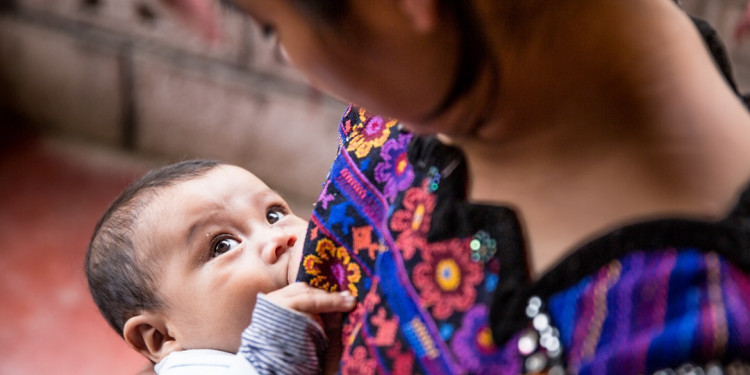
x=358 y=362
x=332 y=268
x=372 y=132
x=386 y=328
x=346 y=122
x=347 y=127
x=372 y=298
x=374 y=194
x=447 y=278
x=354 y=323
x=473 y=344
x=395 y=169
x=403 y=360
x=356 y=318
x=413 y=221
x=448 y=275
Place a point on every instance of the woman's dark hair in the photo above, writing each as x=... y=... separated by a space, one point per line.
x=473 y=55
x=473 y=44
x=474 y=50
x=323 y=11
x=120 y=280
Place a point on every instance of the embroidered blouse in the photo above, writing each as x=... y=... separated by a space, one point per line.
x=443 y=285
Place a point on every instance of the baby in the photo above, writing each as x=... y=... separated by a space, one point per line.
x=189 y=255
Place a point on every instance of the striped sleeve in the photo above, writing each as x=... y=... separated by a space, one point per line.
x=282 y=341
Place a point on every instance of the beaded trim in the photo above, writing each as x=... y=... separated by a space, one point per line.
x=734 y=368
x=539 y=344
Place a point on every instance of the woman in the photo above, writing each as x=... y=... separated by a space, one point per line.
x=580 y=210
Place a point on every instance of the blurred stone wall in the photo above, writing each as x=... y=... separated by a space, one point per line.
x=127 y=74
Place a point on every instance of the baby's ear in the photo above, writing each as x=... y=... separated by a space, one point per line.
x=147 y=333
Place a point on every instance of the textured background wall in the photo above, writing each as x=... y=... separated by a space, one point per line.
x=125 y=74
x=725 y=15
x=126 y=81
x=128 y=75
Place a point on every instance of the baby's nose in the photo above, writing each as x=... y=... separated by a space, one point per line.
x=278 y=245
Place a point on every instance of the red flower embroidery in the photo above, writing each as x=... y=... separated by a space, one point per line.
x=332 y=268
x=385 y=329
x=447 y=278
x=358 y=362
x=413 y=221
x=403 y=360
x=352 y=326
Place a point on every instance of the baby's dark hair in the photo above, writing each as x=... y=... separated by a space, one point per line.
x=121 y=282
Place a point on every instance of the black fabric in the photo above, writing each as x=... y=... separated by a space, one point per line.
x=729 y=238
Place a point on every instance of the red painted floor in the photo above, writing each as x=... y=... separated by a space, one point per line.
x=51 y=195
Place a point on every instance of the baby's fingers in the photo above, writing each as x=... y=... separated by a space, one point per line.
x=304 y=298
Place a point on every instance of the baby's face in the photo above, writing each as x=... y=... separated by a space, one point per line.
x=218 y=241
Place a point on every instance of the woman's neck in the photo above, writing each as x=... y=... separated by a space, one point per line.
x=625 y=123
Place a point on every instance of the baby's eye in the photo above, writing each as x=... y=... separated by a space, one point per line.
x=223 y=246
x=275 y=214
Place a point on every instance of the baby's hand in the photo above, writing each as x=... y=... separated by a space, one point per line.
x=312 y=301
